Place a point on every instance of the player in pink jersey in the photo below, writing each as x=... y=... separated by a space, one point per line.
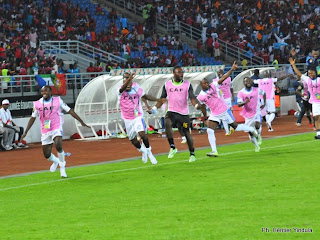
x=130 y=97
x=249 y=99
x=49 y=110
x=177 y=92
x=211 y=97
x=267 y=85
x=313 y=83
x=227 y=93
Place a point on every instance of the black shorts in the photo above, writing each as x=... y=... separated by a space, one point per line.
x=178 y=120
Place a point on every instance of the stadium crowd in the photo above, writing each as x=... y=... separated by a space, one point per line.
x=25 y=23
x=265 y=28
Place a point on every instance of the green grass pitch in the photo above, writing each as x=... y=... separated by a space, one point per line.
x=233 y=196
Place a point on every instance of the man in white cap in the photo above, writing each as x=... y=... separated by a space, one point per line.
x=7 y=122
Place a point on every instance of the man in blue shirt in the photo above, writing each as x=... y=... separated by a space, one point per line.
x=314 y=60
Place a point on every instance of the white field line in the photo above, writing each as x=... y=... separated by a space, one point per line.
x=143 y=167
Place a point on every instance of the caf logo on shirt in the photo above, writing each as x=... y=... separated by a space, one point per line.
x=176 y=89
x=185 y=125
x=265 y=83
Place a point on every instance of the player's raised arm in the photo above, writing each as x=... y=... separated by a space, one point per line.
x=126 y=83
x=225 y=76
x=295 y=69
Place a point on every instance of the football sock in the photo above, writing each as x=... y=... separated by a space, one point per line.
x=226 y=127
x=212 y=139
x=61 y=157
x=170 y=140
x=254 y=140
x=53 y=158
x=309 y=118
x=270 y=118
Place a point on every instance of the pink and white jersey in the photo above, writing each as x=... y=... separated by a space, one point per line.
x=251 y=108
x=50 y=113
x=130 y=102
x=267 y=85
x=225 y=87
x=313 y=86
x=213 y=99
x=178 y=97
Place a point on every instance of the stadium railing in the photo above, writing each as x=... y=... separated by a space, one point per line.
x=26 y=85
x=78 y=51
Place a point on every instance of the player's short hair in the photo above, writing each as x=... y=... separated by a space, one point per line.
x=203 y=79
x=46 y=86
x=312 y=68
x=175 y=67
x=247 y=78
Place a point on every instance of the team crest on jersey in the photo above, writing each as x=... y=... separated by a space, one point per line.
x=185 y=125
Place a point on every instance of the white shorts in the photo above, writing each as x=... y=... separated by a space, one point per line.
x=316 y=109
x=33 y=45
x=226 y=116
x=252 y=121
x=134 y=126
x=47 y=138
x=216 y=52
x=270 y=106
x=228 y=102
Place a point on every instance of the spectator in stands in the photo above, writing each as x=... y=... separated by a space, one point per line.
x=33 y=39
x=152 y=60
x=124 y=22
x=244 y=64
x=6 y=80
x=76 y=72
x=90 y=69
x=98 y=67
x=113 y=15
x=210 y=45
x=140 y=31
x=99 y=10
x=109 y=67
x=76 y=69
x=18 y=54
x=61 y=68
x=2 y=52
x=217 y=53
x=7 y=122
x=54 y=64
